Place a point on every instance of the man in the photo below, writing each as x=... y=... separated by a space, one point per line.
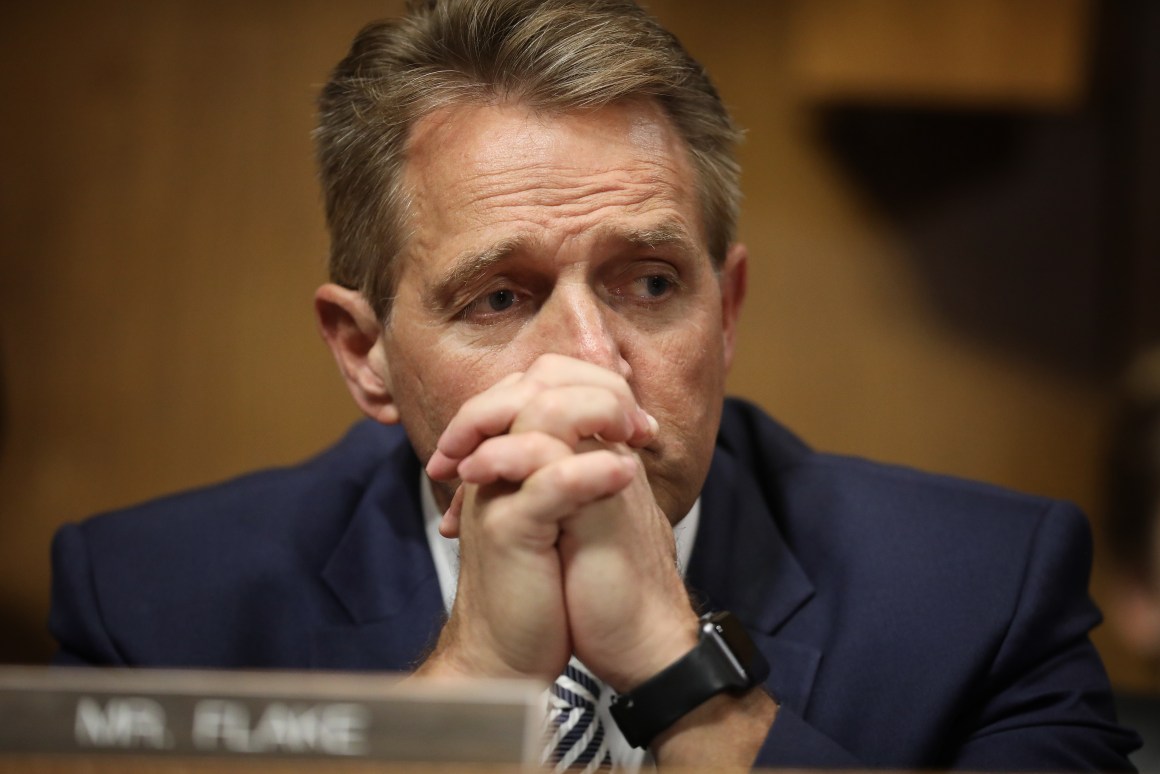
x=532 y=206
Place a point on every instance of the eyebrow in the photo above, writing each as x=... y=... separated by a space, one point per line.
x=471 y=266
x=467 y=268
x=664 y=235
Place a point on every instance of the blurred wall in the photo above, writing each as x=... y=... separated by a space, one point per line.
x=161 y=234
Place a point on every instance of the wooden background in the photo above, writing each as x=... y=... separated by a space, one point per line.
x=161 y=235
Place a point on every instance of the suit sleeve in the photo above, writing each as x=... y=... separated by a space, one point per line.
x=1047 y=702
x=792 y=743
x=76 y=620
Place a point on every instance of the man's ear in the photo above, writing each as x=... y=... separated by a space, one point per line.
x=353 y=333
x=734 y=283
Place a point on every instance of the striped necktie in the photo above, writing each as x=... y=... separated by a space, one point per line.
x=575 y=734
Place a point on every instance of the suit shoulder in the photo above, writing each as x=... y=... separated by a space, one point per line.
x=222 y=575
x=788 y=469
x=327 y=482
x=979 y=546
x=833 y=507
x=890 y=491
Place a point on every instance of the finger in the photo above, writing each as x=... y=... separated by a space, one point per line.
x=645 y=430
x=449 y=524
x=488 y=414
x=572 y=413
x=554 y=370
x=511 y=457
x=441 y=467
x=637 y=430
x=491 y=412
x=560 y=489
x=560 y=370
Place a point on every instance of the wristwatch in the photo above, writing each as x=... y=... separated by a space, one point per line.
x=724 y=659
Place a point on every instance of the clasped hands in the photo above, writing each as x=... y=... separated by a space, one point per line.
x=563 y=548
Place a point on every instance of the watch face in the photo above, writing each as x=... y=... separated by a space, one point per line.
x=729 y=663
x=742 y=654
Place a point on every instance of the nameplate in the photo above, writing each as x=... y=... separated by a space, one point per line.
x=284 y=714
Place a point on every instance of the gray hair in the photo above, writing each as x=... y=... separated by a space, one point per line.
x=551 y=55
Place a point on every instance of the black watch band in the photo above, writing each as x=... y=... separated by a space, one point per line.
x=724 y=659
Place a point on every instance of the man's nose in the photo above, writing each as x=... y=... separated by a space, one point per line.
x=580 y=325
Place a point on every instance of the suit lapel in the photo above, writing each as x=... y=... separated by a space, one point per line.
x=383 y=576
x=742 y=563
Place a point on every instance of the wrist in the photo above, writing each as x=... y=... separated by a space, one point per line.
x=444 y=662
x=726 y=731
x=465 y=653
x=724 y=660
x=660 y=650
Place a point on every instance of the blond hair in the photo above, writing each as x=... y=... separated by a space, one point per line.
x=552 y=55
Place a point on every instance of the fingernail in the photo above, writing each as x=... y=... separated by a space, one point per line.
x=436 y=466
x=653 y=424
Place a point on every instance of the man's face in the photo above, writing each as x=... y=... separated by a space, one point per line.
x=575 y=234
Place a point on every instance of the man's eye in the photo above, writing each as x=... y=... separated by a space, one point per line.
x=499 y=300
x=657 y=286
x=653 y=287
x=492 y=307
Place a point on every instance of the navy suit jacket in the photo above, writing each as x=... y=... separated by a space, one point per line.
x=911 y=621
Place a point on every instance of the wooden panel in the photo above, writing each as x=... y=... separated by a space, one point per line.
x=162 y=236
x=1018 y=52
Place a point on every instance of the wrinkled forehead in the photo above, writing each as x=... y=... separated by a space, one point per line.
x=484 y=160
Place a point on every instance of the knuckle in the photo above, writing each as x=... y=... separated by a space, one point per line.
x=532 y=446
x=551 y=405
x=566 y=479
